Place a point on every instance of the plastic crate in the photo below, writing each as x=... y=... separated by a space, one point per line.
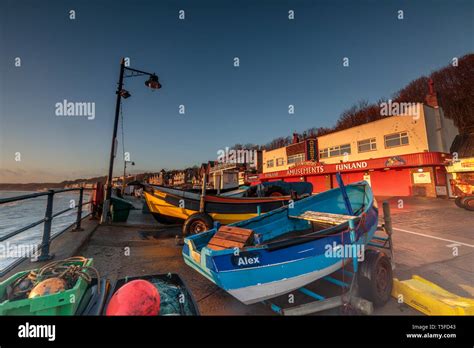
x=61 y=303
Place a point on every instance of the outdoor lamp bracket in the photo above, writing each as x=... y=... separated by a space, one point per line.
x=153 y=82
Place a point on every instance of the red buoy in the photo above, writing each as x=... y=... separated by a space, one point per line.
x=138 y=297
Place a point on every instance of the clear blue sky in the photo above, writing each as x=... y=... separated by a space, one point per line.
x=282 y=62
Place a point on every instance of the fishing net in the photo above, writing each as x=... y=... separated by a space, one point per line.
x=173 y=298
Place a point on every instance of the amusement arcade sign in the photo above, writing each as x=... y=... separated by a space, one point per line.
x=310 y=168
x=315 y=168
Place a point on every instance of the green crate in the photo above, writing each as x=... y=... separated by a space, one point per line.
x=61 y=303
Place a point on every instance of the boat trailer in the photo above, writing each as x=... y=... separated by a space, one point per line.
x=350 y=298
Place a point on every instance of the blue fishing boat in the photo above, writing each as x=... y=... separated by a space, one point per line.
x=285 y=249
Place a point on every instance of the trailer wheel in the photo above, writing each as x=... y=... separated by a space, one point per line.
x=468 y=203
x=197 y=223
x=375 y=277
x=459 y=201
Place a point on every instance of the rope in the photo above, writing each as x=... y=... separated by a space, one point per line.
x=121 y=126
x=59 y=269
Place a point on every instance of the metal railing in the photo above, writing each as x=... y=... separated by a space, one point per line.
x=47 y=220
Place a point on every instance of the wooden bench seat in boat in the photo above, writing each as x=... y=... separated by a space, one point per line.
x=228 y=237
x=325 y=218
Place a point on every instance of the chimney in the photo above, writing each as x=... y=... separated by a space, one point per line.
x=295 y=138
x=431 y=98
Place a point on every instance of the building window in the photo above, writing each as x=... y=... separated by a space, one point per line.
x=345 y=149
x=367 y=145
x=324 y=153
x=280 y=161
x=296 y=158
x=270 y=164
x=397 y=139
x=334 y=151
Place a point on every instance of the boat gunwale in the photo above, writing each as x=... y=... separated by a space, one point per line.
x=215 y=199
x=296 y=241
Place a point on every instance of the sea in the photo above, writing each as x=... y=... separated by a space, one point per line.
x=18 y=214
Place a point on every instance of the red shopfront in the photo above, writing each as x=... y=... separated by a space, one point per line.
x=420 y=174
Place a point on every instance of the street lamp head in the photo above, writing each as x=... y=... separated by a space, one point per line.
x=124 y=93
x=153 y=82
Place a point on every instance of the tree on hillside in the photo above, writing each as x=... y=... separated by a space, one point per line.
x=318 y=131
x=455 y=88
x=251 y=146
x=414 y=92
x=358 y=114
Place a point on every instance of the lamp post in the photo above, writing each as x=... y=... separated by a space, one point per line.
x=152 y=83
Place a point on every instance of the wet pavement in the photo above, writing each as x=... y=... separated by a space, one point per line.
x=432 y=238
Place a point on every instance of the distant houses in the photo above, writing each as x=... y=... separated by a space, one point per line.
x=81 y=184
x=219 y=176
x=186 y=178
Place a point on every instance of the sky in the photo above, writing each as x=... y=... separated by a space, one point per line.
x=282 y=62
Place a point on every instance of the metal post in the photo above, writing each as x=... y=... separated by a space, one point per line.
x=202 y=202
x=347 y=202
x=108 y=195
x=353 y=246
x=220 y=182
x=48 y=216
x=387 y=218
x=124 y=176
x=79 y=211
